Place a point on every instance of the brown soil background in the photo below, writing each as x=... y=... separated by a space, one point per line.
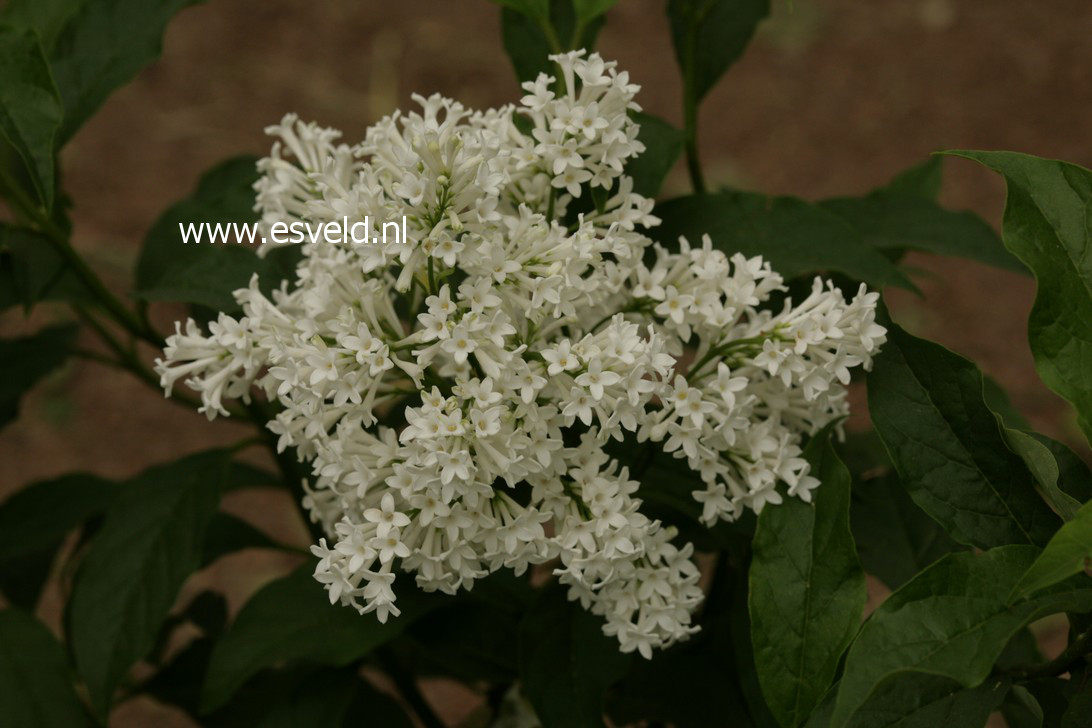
x=834 y=97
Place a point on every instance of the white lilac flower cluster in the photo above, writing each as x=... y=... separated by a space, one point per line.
x=454 y=394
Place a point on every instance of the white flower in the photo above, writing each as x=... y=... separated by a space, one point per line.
x=501 y=349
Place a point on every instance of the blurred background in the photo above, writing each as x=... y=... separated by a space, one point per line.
x=833 y=98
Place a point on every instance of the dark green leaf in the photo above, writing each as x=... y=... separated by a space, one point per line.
x=102 y=47
x=224 y=194
x=151 y=540
x=589 y=10
x=47 y=17
x=864 y=454
x=179 y=681
x=917 y=700
x=36 y=689
x=1051 y=695
x=729 y=595
x=228 y=534
x=484 y=647
x=922 y=180
x=947 y=446
x=528 y=46
x=538 y=10
x=1068 y=553
x=207 y=611
x=291 y=619
x=33 y=524
x=1044 y=458
x=895 y=538
x=1022 y=651
x=30 y=109
x=797 y=237
x=566 y=662
x=1074 y=476
x=663 y=145
x=32 y=270
x=243 y=475
x=203 y=273
x=807 y=590
x=26 y=360
x=711 y=35
x=1021 y=709
x=41 y=514
x=897 y=222
x=951 y=620
x=1048 y=226
x=997 y=399
x=683 y=686
x=667 y=486
x=321 y=700
x=1079 y=712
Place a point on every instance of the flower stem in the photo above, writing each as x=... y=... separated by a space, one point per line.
x=1078 y=650
x=59 y=239
x=693 y=161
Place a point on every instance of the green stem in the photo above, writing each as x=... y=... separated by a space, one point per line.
x=110 y=303
x=59 y=239
x=1078 y=650
x=693 y=161
x=551 y=35
x=578 y=31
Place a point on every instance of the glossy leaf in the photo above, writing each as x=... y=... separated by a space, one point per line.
x=711 y=35
x=947 y=446
x=566 y=662
x=292 y=619
x=1048 y=226
x=951 y=620
x=26 y=360
x=797 y=237
x=30 y=109
x=151 y=540
x=663 y=145
x=36 y=687
x=807 y=590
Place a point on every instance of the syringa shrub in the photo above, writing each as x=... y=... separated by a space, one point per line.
x=580 y=447
x=525 y=338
